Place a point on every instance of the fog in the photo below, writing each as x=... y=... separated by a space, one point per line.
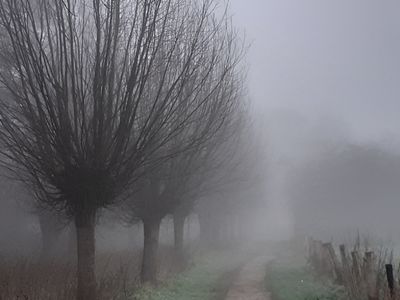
x=301 y=136
x=325 y=58
x=322 y=74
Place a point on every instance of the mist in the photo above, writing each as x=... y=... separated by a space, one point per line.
x=143 y=141
x=322 y=75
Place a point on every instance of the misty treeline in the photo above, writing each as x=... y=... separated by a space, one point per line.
x=353 y=186
x=134 y=106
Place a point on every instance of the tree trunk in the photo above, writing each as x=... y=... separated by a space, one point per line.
x=151 y=229
x=85 y=234
x=179 y=225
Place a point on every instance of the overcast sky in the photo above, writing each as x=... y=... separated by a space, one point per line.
x=337 y=59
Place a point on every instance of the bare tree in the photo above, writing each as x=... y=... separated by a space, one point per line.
x=175 y=188
x=217 y=85
x=95 y=93
x=227 y=189
x=206 y=172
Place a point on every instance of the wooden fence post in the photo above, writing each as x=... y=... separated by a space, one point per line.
x=320 y=257
x=390 y=279
x=326 y=263
x=343 y=256
x=355 y=265
x=316 y=259
x=311 y=251
x=335 y=264
x=345 y=266
x=371 y=276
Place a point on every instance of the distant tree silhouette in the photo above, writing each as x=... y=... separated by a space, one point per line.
x=349 y=185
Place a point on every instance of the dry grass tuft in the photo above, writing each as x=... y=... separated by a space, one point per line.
x=117 y=276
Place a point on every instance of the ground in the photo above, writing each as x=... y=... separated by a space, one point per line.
x=221 y=275
x=249 y=284
x=209 y=279
x=289 y=277
x=274 y=273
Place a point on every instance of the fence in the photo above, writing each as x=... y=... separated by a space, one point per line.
x=365 y=274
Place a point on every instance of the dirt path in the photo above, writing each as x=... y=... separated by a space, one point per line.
x=249 y=284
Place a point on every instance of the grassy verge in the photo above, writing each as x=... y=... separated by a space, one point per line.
x=289 y=278
x=207 y=280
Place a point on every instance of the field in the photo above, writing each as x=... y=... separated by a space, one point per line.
x=289 y=277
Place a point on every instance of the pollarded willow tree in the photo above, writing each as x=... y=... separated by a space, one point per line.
x=203 y=176
x=219 y=192
x=216 y=88
x=97 y=91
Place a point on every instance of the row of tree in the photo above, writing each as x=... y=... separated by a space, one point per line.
x=134 y=105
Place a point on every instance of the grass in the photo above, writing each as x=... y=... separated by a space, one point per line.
x=117 y=276
x=293 y=280
x=205 y=281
